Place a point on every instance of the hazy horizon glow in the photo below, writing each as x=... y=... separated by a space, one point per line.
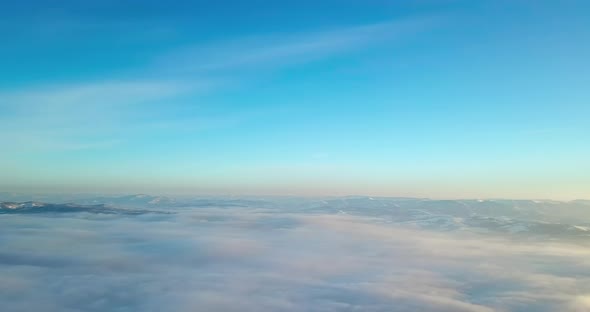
x=438 y=99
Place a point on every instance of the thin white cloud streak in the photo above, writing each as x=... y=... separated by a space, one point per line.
x=279 y=50
x=101 y=114
x=79 y=116
x=102 y=93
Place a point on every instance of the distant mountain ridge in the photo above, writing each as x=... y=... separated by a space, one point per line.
x=142 y=200
x=32 y=207
x=149 y=201
x=532 y=218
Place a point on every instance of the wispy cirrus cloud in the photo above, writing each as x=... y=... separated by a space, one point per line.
x=280 y=50
x=101 y=113
x=80 y=115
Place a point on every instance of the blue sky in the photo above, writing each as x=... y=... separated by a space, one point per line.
x=440 y=99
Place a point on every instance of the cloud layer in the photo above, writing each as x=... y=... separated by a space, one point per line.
x=246 y=259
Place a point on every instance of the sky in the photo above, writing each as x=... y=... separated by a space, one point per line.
x=439 y=99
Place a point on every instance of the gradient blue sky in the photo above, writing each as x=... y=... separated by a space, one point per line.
x=438 y=98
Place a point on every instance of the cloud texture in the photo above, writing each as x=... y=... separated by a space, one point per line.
x=246 y=259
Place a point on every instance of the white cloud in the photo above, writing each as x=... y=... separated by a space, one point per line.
x=82 y=115
x=278 y=50
x=239 y=259
x=101 y=114
x=581 y=304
